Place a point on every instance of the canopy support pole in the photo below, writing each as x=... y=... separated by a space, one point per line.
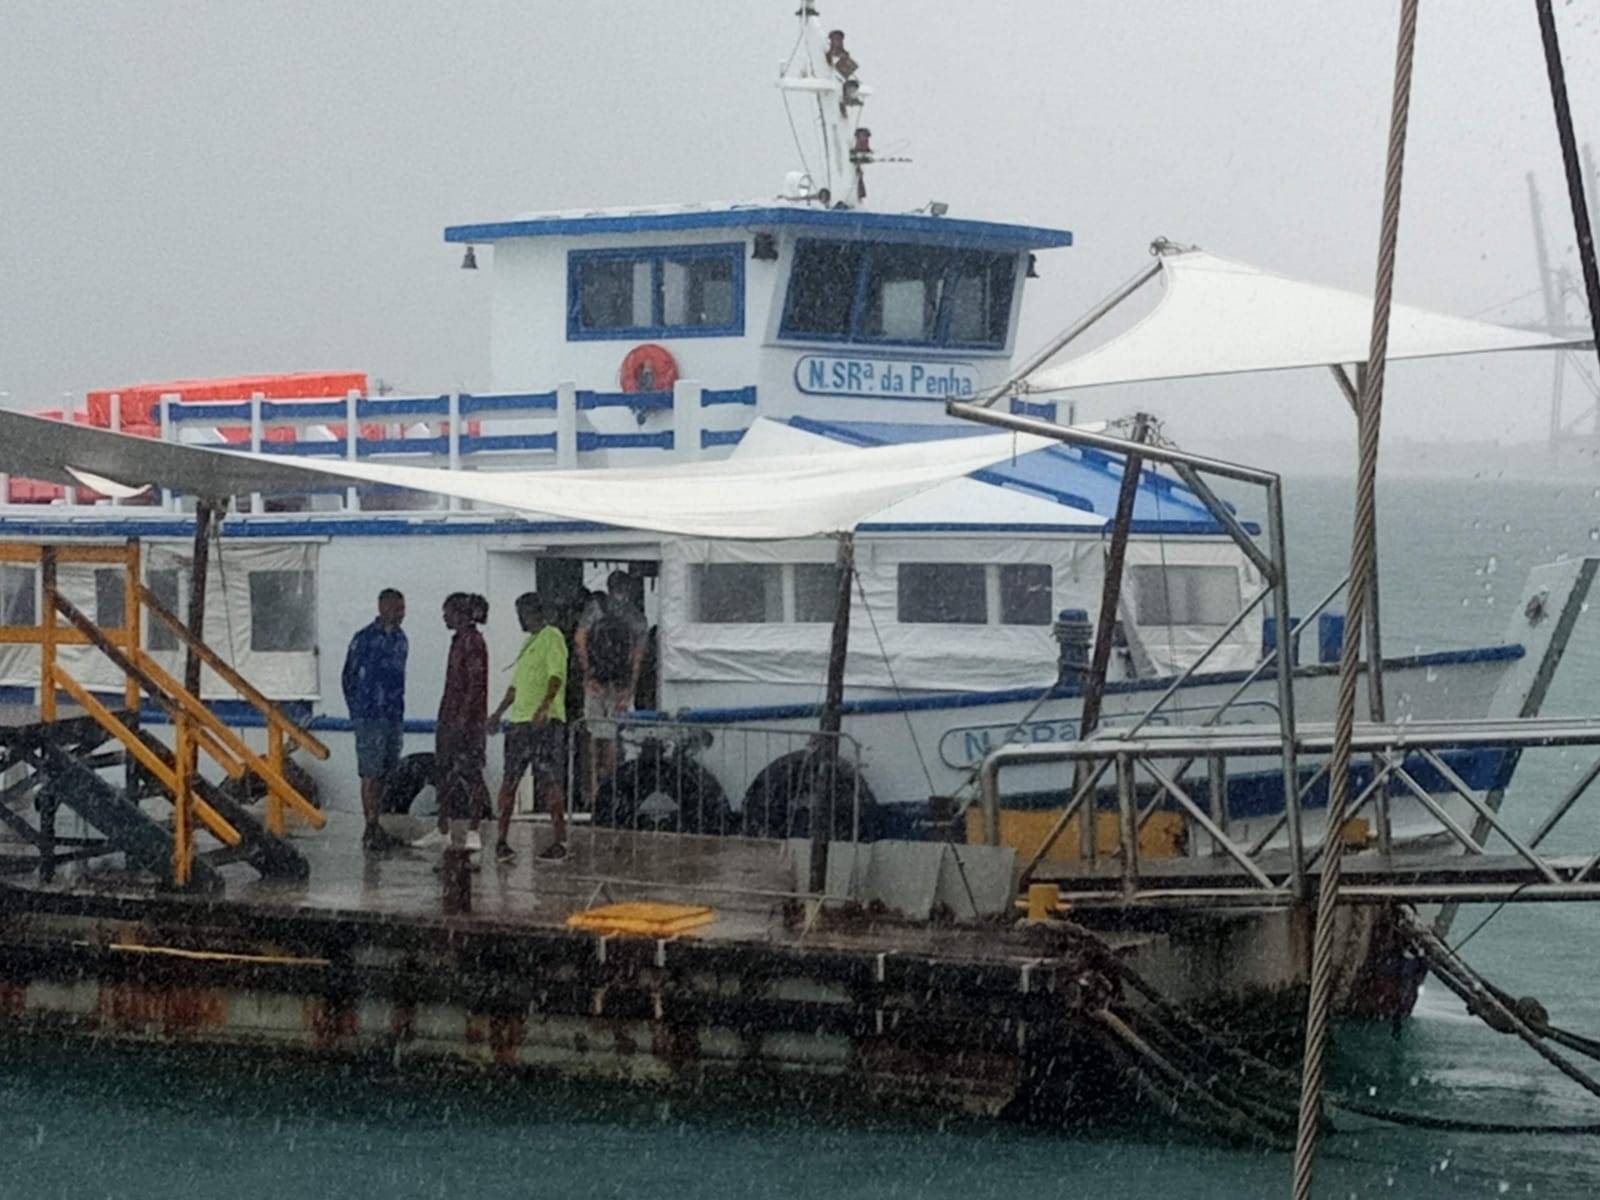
x=205 y=513
x=1036 y=360
x=832 y=718
x=1094 y=688
x=1574 y=167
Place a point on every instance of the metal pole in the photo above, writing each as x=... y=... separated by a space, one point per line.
x=204 y=515
x=1111 y=587
x=1285 y=676
x=832 y=712
x=1569 y=158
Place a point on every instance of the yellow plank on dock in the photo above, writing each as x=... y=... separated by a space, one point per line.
x=646 y=918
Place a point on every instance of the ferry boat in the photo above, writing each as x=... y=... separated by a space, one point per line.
x=798 y=324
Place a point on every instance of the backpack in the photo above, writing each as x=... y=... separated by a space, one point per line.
x=611 y=650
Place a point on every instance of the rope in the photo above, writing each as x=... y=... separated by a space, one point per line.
x=1363 y=553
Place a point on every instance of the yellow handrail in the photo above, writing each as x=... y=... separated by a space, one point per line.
x=268 y=708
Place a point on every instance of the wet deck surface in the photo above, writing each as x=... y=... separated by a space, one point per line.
x=748 y=882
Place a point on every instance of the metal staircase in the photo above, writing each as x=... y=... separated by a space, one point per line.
x=165 y=814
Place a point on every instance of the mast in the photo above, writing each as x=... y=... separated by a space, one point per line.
x=821 y=73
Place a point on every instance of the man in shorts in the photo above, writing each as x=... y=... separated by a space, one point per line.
x=535 y=711
x=374 y=683
x=610 y=641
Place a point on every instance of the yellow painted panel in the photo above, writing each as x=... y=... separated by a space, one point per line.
x=1024 y=829
x=650 y=918
x=23 y=552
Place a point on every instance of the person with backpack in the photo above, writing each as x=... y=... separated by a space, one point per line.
x=610 y=642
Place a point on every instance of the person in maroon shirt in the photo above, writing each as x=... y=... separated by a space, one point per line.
x=461 y=734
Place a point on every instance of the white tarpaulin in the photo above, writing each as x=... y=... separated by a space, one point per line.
x=763 y=498
x=1221 y=317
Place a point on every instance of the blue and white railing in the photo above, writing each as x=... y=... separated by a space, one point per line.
x=554 y=426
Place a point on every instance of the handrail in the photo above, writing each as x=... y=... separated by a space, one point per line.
x=268 y=708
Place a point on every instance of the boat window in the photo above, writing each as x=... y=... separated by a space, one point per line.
x=904 y=288
x=109 y=610
x=906 y=293
x=943 y=594
x=17 y=604
x=283 y=610
x=1026 y=594
x=816 y=592
x=614 y=293
x=164 y=583
x=1186 y=595
x=697 y=291
x=680 y=291
x=980 y=299
x=822 y=287
x=737 y=593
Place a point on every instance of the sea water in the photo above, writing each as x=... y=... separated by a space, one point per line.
x=85 y=1121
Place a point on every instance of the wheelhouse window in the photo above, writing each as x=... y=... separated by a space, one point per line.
x=903 y=294
x=1186 y=595
x=680 y=291
x=283 y=611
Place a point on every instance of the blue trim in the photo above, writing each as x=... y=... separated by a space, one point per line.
x=721 y=437
x=335 y=449
x=303 y=410
x=385 y=407
x=956 y=700
x=745 y=395
x=410 y=523
x=638 y=401
x=520 y=402
x=475 y=443
x=368 y=447
x=624 y=441
x=733 y=252
x=211 y=410
x=837 y=222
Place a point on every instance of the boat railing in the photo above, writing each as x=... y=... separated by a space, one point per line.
x=1134 y=774
x=722 y=780
x=557 y=427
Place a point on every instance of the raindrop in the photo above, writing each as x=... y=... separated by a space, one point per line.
x=1489 y=600
x=1594 y=534
x=1432 y=675
x=1465 y=601
x=1506 y=528
x=1493 y=565
x=1505 y=1186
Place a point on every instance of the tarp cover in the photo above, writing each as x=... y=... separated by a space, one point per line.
x=1221 y=317
x=762 y=498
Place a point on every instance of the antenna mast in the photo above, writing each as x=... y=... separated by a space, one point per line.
x=820 y=72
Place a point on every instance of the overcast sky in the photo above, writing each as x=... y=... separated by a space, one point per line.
x=207 y=188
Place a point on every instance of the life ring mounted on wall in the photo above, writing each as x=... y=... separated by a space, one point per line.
x=648 y=368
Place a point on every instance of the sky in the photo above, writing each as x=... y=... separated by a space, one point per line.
x=226 y=188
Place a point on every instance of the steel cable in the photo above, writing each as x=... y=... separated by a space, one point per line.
x=1363 y=554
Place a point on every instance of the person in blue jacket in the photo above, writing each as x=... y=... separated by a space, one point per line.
x=375 y=693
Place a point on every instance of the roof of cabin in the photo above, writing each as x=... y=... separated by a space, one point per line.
x=841 y=222
x=1074 y=476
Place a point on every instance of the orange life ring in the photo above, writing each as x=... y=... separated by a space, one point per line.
x=648 y=368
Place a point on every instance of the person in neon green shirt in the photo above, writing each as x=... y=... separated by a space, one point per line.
x=535 y=711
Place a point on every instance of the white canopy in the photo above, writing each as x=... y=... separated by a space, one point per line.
x=757 y=498
x=1219 y=317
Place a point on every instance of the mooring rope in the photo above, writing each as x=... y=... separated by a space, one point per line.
x=1363 y=554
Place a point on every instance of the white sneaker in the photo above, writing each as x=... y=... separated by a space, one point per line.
x=474 y=841
x=432 y=840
